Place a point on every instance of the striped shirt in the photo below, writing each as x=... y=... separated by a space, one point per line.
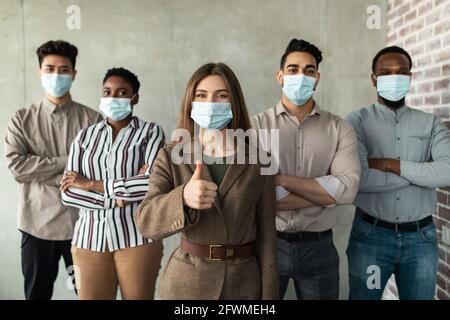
x=93 y=153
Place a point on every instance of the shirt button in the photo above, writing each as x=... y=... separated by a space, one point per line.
x=398 y=158
x=398 y=198
x=398 y=138
x=396 y=218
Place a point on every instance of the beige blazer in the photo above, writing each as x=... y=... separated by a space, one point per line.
x=244 y=211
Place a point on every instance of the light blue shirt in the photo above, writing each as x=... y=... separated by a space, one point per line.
x=422 y=144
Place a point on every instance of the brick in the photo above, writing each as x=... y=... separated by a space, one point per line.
x=433 y=17
x=433 y=72
x=446 y=11
x=446 y=70
x=392 y=38
x=441 y=27
x=443 y=269
x=444 y=213
x=410 y=41
x=443 y=56
x=446 y=41
x=441 y=84
x=416 y=26
x=425 y=8
x=410 y=16
x=418 y=50
x=441 y=282
x=441 y=295
x=445 y=98
x=404 y=31
x=433 y=44
x=424 y=87
x=442 y=253
x=416 y=101
x=442 y=113
x=438 y=223
x=442 y=197
x=425 y=34
x=433 y=101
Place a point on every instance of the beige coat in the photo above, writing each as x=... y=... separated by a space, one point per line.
x=244 y=211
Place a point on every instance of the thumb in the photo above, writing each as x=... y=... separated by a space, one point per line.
x=198 y=171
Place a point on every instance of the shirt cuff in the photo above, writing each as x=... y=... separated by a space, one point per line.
x=406 y=168
x=281 y=192
x=108 y=185
x=332 y=185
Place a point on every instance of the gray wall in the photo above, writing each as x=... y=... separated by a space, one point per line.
x=164 y=42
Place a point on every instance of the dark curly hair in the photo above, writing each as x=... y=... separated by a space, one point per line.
x=129 y=77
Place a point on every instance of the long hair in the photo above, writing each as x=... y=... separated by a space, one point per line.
x=240 y=115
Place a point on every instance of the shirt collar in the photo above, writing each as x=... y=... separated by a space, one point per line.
x=134 y=123
x=399 y=112
x=279 y=109
x=50 y=107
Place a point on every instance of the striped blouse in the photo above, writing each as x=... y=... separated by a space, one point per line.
x=102 y=225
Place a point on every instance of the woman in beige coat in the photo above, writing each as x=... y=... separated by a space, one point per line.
x=225 y=211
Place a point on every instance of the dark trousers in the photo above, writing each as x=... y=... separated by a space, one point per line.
x=40 y=261
x=313 y=265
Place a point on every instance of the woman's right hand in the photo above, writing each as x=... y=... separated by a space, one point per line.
x=199 y=193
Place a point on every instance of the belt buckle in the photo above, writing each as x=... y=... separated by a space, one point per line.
x=211 y=252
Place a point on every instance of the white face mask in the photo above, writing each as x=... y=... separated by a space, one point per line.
x=56 y=84
x=211 y=115
x=115 y=108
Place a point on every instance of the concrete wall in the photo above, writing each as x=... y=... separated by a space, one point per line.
x=163 y=42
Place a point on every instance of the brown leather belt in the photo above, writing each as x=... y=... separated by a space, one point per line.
x=218 y=251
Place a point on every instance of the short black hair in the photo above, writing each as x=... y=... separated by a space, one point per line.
x=129 y=77
x=60 y=48
x=392 y=49
x=296 y=45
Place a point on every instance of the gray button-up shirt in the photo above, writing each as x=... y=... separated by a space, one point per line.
x=422 y=144
x=322 y=147
x=36 y=148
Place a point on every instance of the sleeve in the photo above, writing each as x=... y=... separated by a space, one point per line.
x=373 y=181
x=133 y=189
x=24 y=166
x=266 y=241
x=78 y=198
x=162 y=212
x=436 y=173
x=345 y=170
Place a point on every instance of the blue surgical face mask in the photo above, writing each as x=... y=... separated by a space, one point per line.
x=211 y=115
x=298 y=88
x=56 y=84
x=393 y=87
x=115 y=108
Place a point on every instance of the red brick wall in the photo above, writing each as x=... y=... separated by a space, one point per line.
x=422 y=27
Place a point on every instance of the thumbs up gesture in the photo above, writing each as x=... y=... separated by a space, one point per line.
x=199 y=193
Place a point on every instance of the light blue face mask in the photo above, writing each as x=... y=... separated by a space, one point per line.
x=298 y=88
x=211 y=115
x=393 y=87
x=56 y=84
x=115 y=108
